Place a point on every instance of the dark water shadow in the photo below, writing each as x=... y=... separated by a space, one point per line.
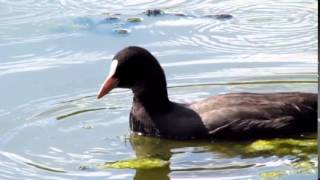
x=296 y=147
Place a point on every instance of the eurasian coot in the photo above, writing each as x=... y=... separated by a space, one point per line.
x=234 y=115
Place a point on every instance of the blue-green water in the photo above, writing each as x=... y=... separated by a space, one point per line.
x=55 y=53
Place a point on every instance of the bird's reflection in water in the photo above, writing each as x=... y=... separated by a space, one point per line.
x=164 y=149
x=152 y=147
x=153 y=174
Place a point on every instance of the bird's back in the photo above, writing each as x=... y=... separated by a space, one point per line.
x=249 y=115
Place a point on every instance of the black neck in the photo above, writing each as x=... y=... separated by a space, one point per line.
x=152 y=95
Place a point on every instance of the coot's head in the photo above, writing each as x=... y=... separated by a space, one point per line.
x=134 y=68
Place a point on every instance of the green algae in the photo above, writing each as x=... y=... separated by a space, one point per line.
x=272 y=175
x=135 y=19
x=121 y=30
x=301 y=151
x=135 y=163
x=283 y=147
x=305 y=166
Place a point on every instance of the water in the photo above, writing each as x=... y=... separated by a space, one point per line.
x=55 y=53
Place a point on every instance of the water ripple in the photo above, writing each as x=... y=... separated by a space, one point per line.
x=267 y=41
x=52 y=59
x=264 y=26
x=258 y=28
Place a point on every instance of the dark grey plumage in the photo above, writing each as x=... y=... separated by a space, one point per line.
x=233 y=116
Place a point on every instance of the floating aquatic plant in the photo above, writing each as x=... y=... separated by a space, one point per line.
x=121 y=30
x=135 y=163
x=271 y=175
x=135 y=19
x=305 y=166
x=283 y=146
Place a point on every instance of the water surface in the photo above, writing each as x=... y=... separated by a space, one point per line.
x=55 y=53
